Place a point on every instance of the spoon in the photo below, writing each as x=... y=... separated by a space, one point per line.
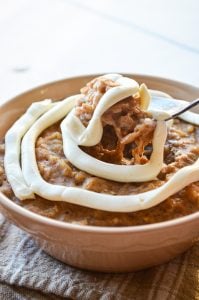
x=182 y=110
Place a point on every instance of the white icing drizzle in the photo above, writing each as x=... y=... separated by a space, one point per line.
x=74 y=133
x=29 y=139
x=29 y=181
x=12 y=148
x=129 y=203
x=92 y=134
x=145 y=97
x=120 y=173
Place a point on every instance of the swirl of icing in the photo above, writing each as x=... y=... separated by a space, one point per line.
x=12 y=142
x=74 y=133
x=92 y=134
x=26 y=179
x=118 y=173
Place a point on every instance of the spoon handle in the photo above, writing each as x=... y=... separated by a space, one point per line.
x=189 y=106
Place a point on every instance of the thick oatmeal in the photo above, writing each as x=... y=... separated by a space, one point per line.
x=181 y=149
x=127 y=140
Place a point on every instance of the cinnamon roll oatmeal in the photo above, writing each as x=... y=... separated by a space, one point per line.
x=104 y=157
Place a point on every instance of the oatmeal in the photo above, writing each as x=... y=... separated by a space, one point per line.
x=127 y=140
x=55 y=168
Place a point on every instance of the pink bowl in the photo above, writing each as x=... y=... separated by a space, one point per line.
x=100 y=248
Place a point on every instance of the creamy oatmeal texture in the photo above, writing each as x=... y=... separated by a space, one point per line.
x=115 y=157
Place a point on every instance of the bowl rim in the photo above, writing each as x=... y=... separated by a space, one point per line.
x=9 y=204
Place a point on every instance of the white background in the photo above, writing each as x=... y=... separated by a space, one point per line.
x=46 y=40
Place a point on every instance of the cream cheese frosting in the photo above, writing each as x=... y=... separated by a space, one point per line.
x=27 y=181
x=12 y=142
x=120 y=173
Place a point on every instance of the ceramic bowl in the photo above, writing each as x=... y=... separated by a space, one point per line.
x=100 y=248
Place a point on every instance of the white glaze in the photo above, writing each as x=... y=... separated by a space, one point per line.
x=12 y=148
x=28 y=143
x=120 y=173
x=35 y=183
x=74 y=133
x=92 y=134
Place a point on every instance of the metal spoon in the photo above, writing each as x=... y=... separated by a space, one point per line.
x=189 y=106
